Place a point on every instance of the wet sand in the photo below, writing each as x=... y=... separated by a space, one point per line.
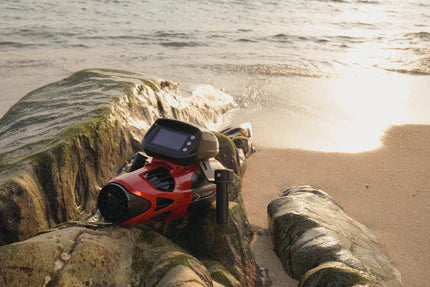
x=387 y=189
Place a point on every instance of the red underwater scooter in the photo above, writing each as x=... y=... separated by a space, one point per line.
x=179 y=180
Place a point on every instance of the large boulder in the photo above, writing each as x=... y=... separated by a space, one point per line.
x=55 y=176
x=61 y=142
x=96 y=255
x=320 y=245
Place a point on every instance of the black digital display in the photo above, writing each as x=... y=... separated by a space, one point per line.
x=168 y=138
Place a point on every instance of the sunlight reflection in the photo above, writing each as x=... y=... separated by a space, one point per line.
x=369 y=104
x=347 y=114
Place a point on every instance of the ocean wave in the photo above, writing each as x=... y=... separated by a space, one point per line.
x=24 y=63
x=170 y=34
x=246 y=40
x=245 y=30
x=419 y=35
x=283 y=70
x=116 y=37
x=15 y=44
x=414 y=71
x=368 y=2
x=336 y=1
x=285 y=38
x=181 y=44
x=348 y=39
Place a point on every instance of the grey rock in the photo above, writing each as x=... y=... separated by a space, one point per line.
x=56 y=179
x=337 y=274
x=105 y=256
x=263 y=278
x=241 y=138
x=220 y=274
x=62 y=142
x=69 y=254
x=227 y=153
x=227 y=244
x=309 y=228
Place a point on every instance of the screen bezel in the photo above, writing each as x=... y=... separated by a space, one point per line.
x=173 y=131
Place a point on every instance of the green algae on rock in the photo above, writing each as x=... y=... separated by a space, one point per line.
x=227 y=244
x=105 y=256
x=220 y=274
x=61 y=142
x=337 y=274
x=99 y=254
x=319 y=244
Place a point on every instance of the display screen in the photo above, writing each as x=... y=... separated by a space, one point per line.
x=170 y=139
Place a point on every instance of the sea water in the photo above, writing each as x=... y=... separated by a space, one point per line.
x=319 y=75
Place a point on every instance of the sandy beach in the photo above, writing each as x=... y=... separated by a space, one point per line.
x=387 y=189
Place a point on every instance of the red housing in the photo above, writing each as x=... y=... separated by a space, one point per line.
x=173 y=191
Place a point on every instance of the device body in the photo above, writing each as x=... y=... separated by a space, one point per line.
x=178 y=181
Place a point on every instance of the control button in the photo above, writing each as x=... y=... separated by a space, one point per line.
x=192 y=137
x=184 y=149
x=188 y=143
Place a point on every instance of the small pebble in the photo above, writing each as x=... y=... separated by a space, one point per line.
x=58 y=265
x=65 y=256
x=47 y=279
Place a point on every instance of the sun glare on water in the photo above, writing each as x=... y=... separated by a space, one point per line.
x=345 y=114
x=370 y=104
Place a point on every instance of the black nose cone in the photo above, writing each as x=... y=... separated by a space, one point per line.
x=117 y=204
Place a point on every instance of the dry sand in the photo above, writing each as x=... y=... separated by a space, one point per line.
x=387 y=189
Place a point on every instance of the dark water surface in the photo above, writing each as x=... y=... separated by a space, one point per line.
x=323 y=75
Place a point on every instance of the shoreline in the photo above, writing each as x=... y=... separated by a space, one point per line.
x=387 y=189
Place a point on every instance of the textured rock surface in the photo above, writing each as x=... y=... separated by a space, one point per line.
x=228 y=153
x=107 y=256
x=319 y=244
x=84 y=254
x=240 y=137
x=101 y=254
x=60 y=143
x=337 y=274
x=227 y=244
x=229 y=158
x=220 y=274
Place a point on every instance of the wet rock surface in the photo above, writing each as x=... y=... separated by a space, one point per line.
x=100 y=254
x=227 y=244
x=193 y=251
x=229 y=157
x=320 y=245
x=61 y=142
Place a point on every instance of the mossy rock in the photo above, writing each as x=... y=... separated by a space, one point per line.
x=100 y=256
x=243 y=143
x=227 y=244
x=60 y=143
x=309 y=229
x=227 y=153
x=336 y=274
x=220 y=274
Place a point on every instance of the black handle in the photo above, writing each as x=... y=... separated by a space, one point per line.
x=139 y=161
x=223 y=180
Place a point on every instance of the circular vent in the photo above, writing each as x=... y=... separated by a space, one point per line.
x=113 y=203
